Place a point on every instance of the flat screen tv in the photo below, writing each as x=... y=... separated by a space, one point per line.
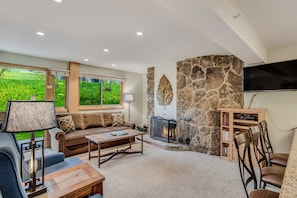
x=274 y=76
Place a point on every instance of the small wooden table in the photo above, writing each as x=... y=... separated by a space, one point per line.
x=108 y=137
x=77 y=181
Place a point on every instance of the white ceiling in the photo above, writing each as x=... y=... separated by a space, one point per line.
x=173 y=30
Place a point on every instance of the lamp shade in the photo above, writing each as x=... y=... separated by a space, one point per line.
x=128 y=97
x=29 y=116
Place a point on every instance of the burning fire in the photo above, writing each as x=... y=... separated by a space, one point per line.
x=165 y=131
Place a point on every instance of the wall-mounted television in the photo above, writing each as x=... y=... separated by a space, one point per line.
x=274 y=76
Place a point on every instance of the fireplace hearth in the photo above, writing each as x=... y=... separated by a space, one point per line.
x=163 y=129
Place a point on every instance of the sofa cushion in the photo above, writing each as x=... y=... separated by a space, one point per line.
x=78 y=120
x=93 y=120
x=107 y=119
x=66 y=124
x=118 y=119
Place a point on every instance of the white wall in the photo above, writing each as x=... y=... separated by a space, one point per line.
x=281 y=115
x=19 y=59
x=134 y=85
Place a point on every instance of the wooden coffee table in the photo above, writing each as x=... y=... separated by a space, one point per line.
x=77 y=181
x=108 y=137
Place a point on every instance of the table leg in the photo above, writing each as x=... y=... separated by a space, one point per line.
x=141 y=143
x=89 y=149
x=98 y=188
x=99 y=147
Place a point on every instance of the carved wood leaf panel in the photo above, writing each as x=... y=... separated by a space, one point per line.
x=164 y=92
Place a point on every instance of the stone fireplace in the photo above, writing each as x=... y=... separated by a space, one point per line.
x=203 y=85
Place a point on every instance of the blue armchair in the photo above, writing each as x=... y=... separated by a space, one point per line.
x=10 y=178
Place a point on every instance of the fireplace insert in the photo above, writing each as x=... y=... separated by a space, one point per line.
x=163 y=129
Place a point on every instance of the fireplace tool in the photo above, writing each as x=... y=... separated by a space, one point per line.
x=188 y=139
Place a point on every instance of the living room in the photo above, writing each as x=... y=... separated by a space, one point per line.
x=243 y=44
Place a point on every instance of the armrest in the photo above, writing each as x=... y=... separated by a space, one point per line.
x=10 y=180
x=130 y=124
x=57 y=139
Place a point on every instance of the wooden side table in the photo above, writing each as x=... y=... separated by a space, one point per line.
x=77 y=181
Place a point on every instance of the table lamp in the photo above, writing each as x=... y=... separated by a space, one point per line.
x=31 y=116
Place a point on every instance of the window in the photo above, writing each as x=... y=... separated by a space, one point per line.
x=90 y=91
x=21 y=84
x=111 y=92
x=60 y=91
x=60 y=86
x=99 y=92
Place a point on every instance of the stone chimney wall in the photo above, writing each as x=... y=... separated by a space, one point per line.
x=150 y=76
x=204 y=84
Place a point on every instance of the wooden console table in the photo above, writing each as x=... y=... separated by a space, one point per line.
x=77 y=181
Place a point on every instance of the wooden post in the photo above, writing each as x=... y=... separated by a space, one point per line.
x=73 y=87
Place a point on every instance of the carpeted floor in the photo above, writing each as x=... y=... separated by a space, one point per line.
x=160 y=173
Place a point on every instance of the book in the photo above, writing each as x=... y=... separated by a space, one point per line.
x=118 y=133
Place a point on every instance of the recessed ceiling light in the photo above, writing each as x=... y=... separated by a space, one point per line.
x=86 y=59
x=139 y=33
x=58 y=1
x=40 y=33
x=106 y=50
x=113 y=65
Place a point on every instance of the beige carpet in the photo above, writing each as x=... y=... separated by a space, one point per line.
x=160 y=173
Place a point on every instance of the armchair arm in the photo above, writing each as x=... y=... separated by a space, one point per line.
x=57 y=139
x=10 y=180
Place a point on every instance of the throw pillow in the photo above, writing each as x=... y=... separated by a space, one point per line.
x=107 y=118
x=118 y=119
x=66 y=124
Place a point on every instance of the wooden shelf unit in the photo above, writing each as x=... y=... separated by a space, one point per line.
x=235 y=121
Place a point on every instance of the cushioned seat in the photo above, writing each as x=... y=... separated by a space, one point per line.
x=247 y=171
x=268 y=174
x=280 y=159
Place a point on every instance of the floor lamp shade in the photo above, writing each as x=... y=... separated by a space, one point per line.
x=31 y=116
x=128 y=97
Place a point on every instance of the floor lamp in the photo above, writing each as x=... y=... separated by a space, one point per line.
x=31 y=116
x=129 y=98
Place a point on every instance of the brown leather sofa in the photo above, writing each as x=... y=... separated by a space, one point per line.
x=73 y=143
